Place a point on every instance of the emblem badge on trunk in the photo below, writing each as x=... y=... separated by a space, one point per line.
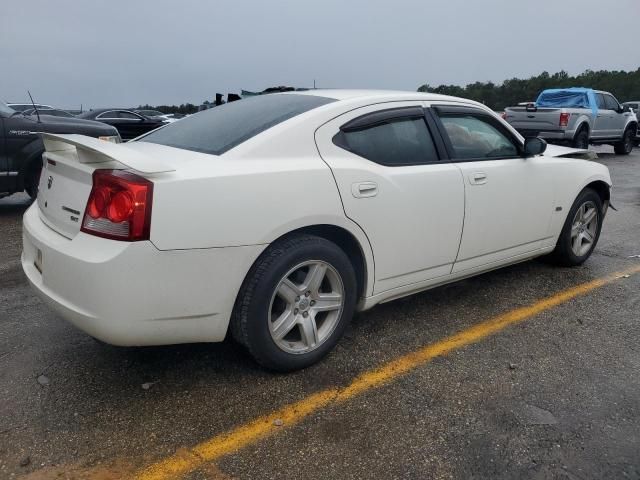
x=49 y=182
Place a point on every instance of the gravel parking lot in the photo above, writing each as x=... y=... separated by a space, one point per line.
x=556 y=395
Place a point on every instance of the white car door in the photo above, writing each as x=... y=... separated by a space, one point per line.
x=509 y=198
x=393 y=183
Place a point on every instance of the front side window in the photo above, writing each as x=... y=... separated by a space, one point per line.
x=476 y=138
x=611 y=103
x=221 y=128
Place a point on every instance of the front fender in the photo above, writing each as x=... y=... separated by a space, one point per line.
x=567 y=191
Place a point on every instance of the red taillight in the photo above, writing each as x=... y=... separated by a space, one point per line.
x=119 y=206
x=564 y=119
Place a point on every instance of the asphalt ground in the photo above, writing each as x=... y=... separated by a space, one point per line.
x=551 y=392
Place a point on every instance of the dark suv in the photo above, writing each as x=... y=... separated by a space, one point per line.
x=21 y=147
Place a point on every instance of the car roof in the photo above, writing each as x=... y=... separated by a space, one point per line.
x=100 y=110
x=381 y=95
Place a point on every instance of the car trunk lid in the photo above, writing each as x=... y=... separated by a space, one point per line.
x=66 y=180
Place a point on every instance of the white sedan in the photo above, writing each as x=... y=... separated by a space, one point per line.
x=276 y=217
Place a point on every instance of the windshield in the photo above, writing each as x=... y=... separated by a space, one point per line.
x=221 y=128
x=6 y=110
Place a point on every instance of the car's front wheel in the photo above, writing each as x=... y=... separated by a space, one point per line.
x=295 y=302
x=581 y=230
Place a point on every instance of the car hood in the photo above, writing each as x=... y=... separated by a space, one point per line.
x=566 y=152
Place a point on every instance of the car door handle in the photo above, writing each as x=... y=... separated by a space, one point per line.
x=364 y=189
x=478 y=178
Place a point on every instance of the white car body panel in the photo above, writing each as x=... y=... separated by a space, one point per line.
x=213 y=216
x=408 y=198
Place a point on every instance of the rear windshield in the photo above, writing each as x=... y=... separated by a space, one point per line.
x=223 y=127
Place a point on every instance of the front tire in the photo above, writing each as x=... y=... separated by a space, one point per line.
x=295 y=303
x=625 y=146
x=581 y=230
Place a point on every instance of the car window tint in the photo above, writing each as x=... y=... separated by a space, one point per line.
x=600 y=101
x=128 y=115
x=109 y=114
x=400 y=141
x=221 y=128
x=474 y=137
x=610 y=102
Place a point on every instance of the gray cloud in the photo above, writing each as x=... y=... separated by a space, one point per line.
x=116 y=52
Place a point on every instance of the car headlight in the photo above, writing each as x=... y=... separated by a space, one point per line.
x=111 y=138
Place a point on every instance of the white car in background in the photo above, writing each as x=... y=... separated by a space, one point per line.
x=276 y=217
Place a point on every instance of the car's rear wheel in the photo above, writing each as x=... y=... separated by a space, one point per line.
x=625 y=146
x=581 y=230
x=581 y=139
x=295 y=302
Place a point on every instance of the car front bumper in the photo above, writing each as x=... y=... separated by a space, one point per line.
x=131 y=293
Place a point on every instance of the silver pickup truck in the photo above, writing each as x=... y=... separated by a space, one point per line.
x=577 y=116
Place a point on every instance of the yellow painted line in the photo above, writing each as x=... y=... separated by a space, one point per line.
x=188 y=460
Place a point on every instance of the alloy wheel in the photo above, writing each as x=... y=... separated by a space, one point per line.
x=584 y=228
x=306 y=306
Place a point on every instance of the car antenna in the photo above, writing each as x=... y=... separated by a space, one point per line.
x=34 y=106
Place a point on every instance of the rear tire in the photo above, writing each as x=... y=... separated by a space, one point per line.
x=625 y=146
x=295 y=303
x=581 y=230
x=581 y=139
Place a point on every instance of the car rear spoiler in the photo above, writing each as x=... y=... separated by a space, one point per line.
x=92 y=150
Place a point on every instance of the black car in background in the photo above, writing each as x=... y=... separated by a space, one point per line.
x=129 y=124
x=21 y=147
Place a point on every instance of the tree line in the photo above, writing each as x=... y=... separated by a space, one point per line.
x=625 y=86
x=184 y=108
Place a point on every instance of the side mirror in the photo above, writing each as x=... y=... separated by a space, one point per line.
x=625 y=109
x=534 y=146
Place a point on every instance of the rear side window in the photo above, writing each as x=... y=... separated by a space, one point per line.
x=476 y=138
x=600 y=101
x=219 y=129
x=395 y=142
x=109 y=114
x=128 y=115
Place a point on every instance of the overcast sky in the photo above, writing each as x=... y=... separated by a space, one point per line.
x=130 y=52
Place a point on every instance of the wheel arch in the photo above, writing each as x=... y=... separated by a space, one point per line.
x=583 y=124
x=347 y=242
x=633 y=125
x=33 y=156
x=601 y=188
x=350 y=239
